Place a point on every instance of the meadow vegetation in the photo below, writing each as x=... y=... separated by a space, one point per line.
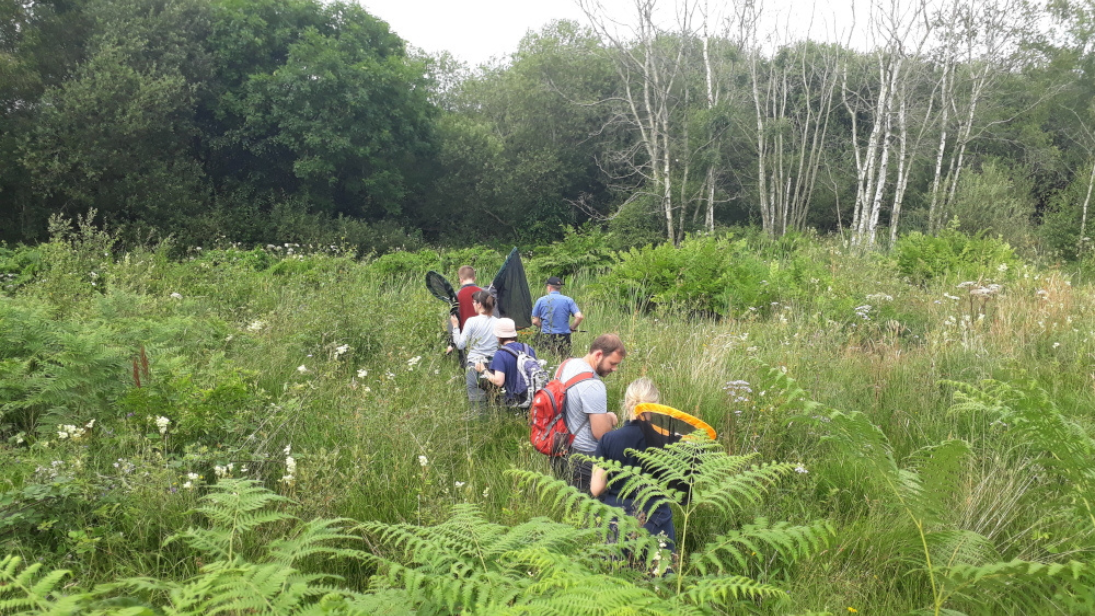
x=276 y=430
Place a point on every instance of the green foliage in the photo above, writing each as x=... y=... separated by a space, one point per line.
x=1030 y=419
x=52 y=372
x=716 y=275
x=579 y=249
x=267 y=582
x=952 y=253
x=917 y=500
x=995 y=201
x=469 y=565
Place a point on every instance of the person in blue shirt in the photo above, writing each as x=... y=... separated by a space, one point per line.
x=503 y=369
x=557 y=316
x=637 y=434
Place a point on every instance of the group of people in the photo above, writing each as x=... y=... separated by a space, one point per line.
x=492 y=351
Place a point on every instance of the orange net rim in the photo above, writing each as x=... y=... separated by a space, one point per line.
x=661 y=409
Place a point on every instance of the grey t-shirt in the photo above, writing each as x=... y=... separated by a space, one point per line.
x=478 y=338
x=586 y=398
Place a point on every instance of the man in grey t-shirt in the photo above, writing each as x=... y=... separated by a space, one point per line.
x=588 y=417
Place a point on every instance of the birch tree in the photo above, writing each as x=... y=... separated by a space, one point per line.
x=650 y=63
x=900 y=32
x=982 y=41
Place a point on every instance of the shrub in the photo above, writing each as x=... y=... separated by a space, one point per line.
x=923 y=257
x=579 y=249
x=714 y=275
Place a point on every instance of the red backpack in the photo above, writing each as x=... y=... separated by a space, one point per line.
x=550 y=434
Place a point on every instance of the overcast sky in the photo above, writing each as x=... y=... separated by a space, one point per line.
x=477 y=30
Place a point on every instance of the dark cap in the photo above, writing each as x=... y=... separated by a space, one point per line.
x=555 y=281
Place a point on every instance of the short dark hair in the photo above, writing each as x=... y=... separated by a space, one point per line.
x=608 y=344
x=466 y=272
x=484 y=298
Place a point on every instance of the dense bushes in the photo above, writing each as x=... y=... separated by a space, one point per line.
x=716 y=275
x=924 y=257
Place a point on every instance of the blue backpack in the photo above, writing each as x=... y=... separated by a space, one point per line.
x=531 y=376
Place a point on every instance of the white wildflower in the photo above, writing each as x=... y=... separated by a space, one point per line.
x=89 y=425
x=1003 y=267
x=1056 y=344
x=220 y=471
x=801 y=469
x=423 y=460
x=302 y=369
x=486 y=492
x=880 y=297
x=412 y=362
x=188 y=485
x=362 y=373
x=256 y=326
x=949 y=296
x=69 y=431
x=193 y=476
x=176 y=296
x=162 y=423
x=341 y=349
x=288 y=449
x=459 y=484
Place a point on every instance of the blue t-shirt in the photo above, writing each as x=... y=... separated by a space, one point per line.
x=613 y=444
x=506 y=362
x=554 y=311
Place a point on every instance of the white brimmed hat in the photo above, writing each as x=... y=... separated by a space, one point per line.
x=505 y=328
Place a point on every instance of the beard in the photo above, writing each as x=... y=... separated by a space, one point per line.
x=601 y=368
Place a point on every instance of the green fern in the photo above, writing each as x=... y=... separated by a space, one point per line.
x=954 y=560
x=28 y=590
x=471 y=566
x=1032 y=421
x=234 y=507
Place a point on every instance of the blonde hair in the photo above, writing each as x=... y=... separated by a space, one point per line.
x=639 y=391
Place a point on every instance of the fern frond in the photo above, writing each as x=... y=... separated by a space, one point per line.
x=310 y=539
x=1016 y=583
x=233 y=506
x=580 y=508
x=28 y=589
x=724 y=590
x=729 y=493
x=754 y=541
x=950 y=548
x=938 y=476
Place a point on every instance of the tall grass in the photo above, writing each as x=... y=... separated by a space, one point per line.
x=342 y=363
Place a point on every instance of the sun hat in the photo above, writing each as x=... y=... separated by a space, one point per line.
x=505 y=328
x=555 y=281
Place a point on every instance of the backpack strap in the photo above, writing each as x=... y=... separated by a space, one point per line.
x=511 y=351
x=574 y=380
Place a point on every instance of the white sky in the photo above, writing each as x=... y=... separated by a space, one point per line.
x=477 y=30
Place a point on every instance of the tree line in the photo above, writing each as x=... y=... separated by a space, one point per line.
x=261 y=121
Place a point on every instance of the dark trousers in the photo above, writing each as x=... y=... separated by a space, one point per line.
x=556 y=344
x=657 y=521
x=577 y=474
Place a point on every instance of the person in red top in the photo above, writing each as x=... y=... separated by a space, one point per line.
x=465 y=310
x=466 y=274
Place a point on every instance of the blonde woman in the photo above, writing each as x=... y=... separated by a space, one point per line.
x=639 y=435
